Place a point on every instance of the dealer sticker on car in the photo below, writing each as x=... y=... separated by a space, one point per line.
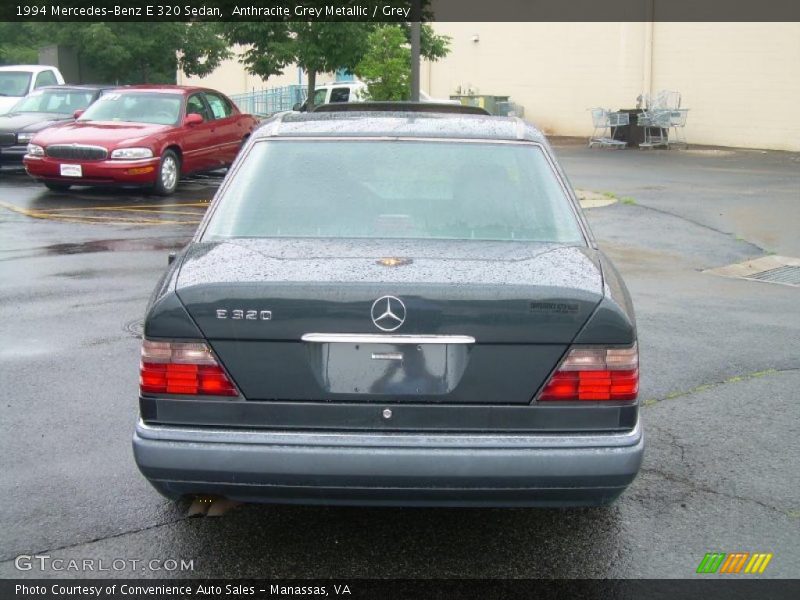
x=71 y=171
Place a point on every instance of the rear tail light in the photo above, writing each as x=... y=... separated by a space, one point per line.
x=182 y=368
x=595 y=374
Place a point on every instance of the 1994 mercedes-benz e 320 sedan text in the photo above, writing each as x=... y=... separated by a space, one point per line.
x=392 y=306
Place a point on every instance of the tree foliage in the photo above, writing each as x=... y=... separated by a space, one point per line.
x=432 y=46
x=129 y=52
x=325 y=47
x=152 y=52
x=385 y=68
x=266 y=46
x=316 y=47
x=15 y=44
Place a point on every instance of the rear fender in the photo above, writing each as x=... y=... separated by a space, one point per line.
x=613 y=321
x=165 y=315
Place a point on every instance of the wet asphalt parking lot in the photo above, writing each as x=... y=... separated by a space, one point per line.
x=720 y=378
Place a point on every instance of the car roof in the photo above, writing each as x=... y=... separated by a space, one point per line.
x=398 y=124
x=78 y=86
x=182 y=89
x=394 y=106
x=31 y=68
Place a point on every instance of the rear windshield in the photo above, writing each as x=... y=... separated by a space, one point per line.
x=395 y=189
x=136 y=107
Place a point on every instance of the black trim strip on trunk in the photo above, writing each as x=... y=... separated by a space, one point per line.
x=586 y=417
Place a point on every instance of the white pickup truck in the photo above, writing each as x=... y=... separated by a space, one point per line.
x=353 y=91
x=17 y=81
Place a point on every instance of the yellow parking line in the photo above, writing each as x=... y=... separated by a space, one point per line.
x=58 y=211
x=90 y=219
x=20 y=210
x=126 y=223
x=101 y=219
x=110 y=221
x=202 y=203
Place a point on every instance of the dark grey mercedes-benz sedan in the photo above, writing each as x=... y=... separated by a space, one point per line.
x=398 y=306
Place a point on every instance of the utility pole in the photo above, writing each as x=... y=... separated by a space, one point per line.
x=415 y=28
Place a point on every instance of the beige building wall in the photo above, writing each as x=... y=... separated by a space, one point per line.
x=741 y=81
x=232 y=78
x=556 y=71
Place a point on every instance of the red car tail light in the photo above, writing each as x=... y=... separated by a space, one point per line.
x=182 y=368
x=595 y=374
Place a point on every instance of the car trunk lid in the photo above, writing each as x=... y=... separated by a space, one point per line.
x=482 y=322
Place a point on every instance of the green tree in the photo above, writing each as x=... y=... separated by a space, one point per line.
x=432 y=46
x=386 y=67
x=131 y=52
x=327 y=47
x=16 y=44
x=324 y=47
x=316 y=47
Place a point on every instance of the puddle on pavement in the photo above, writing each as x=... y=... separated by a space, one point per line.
x=119 y=245
x=640 y=259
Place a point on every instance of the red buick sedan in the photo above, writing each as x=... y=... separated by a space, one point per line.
x=145 y=136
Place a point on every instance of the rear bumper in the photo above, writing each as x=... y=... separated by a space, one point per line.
x=395 y=469
x=102 y=172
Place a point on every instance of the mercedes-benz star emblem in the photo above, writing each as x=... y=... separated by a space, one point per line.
x=388 y=313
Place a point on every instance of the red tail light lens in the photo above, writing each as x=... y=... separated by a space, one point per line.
x=182 y=368
x=595 y=374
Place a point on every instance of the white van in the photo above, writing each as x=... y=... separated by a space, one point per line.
x=17 y=81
